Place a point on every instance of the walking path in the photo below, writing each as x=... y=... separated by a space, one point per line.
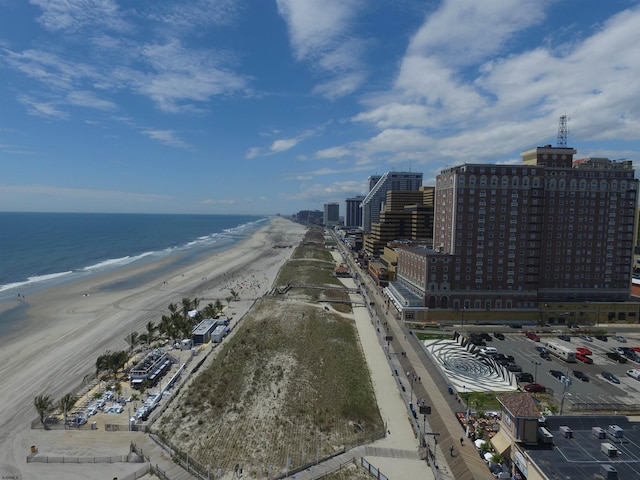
x=424 y=383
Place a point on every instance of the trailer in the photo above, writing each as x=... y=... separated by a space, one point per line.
x=560 y=351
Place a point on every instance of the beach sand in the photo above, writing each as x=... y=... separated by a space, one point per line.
x=67 y=327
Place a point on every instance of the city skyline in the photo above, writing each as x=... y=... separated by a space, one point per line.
x=232 y=106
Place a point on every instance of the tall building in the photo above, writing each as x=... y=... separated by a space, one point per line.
x=353 y=212
x=372 y=203
x=331 y=214
x=405 y=215
x=516 y=236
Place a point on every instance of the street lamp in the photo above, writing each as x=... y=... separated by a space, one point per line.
x=535 y=372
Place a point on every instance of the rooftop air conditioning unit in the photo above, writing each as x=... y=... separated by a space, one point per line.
x=609 y=472
x=566 y=432
x=598 y=432
x=609 y=450
x=616 y=431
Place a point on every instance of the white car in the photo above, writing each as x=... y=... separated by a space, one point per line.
x=92 y=410
x=621 y=339
x=634 y=373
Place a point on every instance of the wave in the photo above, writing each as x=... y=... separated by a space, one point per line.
x=116 y=262
x=35 y=279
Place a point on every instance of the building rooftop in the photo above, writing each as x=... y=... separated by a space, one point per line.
x=580 y=456
x=204 y=326
x=520 y=405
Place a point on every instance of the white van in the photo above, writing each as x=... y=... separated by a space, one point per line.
x=489 y=351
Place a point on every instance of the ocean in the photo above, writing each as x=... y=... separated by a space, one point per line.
x=40 y=250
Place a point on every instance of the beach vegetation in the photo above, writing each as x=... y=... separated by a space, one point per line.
x=228 y=299
x=151 y=330
x=291 y=380
x=112 y=362
x=234 y=295
x=44 y=405
x=132 y=340
x=66 y=403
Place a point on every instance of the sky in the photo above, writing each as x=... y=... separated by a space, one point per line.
x=275 y=106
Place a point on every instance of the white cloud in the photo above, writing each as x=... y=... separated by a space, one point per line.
x=89 y=99
x=283 y=145
x=168 y=137
x=76 y=15
x=194 y=13
x=321 y=33
x=42 y=109
x=333 y=152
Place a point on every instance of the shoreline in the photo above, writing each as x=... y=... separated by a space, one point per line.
x=65 y=328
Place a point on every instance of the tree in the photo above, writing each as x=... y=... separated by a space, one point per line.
x=66 y=403
x=234 y=294
x=132 y=340
x=219 y=306
x=228 y=300
x=151 y=328
x=43 y=405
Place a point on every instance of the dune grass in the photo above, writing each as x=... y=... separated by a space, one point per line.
x=291 y=384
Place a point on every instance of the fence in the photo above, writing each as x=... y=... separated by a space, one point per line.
x=373 y=470
x=55 y=459
x=604 y=407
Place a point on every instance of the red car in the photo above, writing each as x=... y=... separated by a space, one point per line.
x=583 y=350
x=583 y=358
x=636 y=349
x=533 y=336
x=534 y=387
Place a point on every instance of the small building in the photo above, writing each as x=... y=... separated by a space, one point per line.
x=151 y=369
x=341 y=271
x=201 y=333
x=219 y=333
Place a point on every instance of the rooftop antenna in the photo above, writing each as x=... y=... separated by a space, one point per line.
x=562 y=132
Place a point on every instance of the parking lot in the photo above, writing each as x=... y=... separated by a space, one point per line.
x=597 y=390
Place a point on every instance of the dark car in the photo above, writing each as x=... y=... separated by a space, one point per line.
x=514 y=367
x=541 y=349
x=602 y=338
x=580 y=375
x=534 y=387
x=566 y=338
x=545 y=355
x=498 y=335
x=485 y=336
x=524 y=377
x=617 y=357
x=556 y=373
x=611 y=377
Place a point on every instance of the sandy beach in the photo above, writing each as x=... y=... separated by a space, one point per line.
x=67 y=327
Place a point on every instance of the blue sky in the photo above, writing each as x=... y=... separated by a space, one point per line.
x=274 y=106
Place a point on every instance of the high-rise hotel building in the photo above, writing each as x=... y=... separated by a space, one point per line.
x=547 y=230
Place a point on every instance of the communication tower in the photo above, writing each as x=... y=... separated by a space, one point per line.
x=562 y=131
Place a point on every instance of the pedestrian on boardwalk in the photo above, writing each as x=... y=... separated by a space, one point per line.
x=461 y=441
x=451 y=450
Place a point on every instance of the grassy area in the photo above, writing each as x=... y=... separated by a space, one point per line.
x=291 y=383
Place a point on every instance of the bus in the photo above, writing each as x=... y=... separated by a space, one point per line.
x=560 y=351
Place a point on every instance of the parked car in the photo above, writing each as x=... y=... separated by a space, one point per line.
x=532 y=336
x=566 y=338
x=634 y=373
x=583 y=350
x=587 y=338
x=524 y=377
x=498 y=335
x=580 y=375
x=617 y=350
x=541 y=349
x=556 y=373
x=514 y=367
x=621 y=339
x=611 y=377
x=486 y=337
x=584 y=358
x=545 y=355
x=534 y=387
x=617 y=357
x=602 y=338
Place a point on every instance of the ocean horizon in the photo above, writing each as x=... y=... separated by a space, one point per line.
x=41 y=250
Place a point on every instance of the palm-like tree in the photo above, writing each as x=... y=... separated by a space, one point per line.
x=66 y=403
x=151 y=328
x=43 y=406
x=132 y=340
